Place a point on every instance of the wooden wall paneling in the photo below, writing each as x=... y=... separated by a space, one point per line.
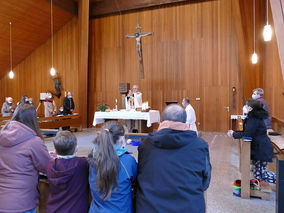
x=277 y=10
x=83 y=19
x=192 y=53
x=251 y=75
x=273 y=76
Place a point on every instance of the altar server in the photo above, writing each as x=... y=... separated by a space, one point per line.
x=190 y=114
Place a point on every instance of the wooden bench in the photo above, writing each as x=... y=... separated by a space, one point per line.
x=277 y=142
x=245 y=169
x=60 y=121
x=246 y=192
x=54 y=122
x=3 y=120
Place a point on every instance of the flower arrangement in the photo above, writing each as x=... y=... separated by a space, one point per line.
x=102 y=107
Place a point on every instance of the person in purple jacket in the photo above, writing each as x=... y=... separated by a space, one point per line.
x=68 y=177
x=22 y=155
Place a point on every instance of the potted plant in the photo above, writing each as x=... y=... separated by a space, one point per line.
x=102 y=107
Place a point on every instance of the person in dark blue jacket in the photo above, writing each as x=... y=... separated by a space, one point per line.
x=112 y=171
x=174 y=167
x=261 y=147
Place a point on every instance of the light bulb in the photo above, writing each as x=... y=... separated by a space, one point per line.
x=11 y=74
x=52 y=71
x=267 y=32
x=254 y=58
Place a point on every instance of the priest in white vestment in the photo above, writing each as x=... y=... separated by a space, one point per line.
x=190 y=115
x=134 y=98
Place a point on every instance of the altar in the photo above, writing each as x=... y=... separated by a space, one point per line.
x=153 y=116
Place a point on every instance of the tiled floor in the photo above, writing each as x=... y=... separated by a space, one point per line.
x=224 y=160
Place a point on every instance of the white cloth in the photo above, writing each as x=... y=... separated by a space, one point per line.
x=235 y=117
x=190 y=117
x=153 y=116
x=138 y=100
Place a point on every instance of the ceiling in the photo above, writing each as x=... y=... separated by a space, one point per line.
x=30 y=27
x=106 y=7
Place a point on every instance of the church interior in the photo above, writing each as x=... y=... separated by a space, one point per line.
x=97 y=61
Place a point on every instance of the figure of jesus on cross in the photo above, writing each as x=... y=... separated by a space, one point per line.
x=138 y=36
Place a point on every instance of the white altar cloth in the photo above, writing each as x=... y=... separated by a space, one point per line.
x=153 y=116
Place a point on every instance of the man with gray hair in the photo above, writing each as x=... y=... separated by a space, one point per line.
x=134 y=98
x=258 y=95
x=174 y=167
x=8 y=107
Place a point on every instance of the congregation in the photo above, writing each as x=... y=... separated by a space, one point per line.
x=172 y=173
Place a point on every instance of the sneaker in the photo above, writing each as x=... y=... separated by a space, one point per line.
x=254 y=184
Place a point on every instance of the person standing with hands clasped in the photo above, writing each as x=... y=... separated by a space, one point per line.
x=261 y=147
x=68 y=104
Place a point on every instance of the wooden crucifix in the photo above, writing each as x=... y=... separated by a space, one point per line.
x=138 y=36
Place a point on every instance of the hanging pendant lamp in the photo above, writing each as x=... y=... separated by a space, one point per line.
x=267 y=31
x=11 y=73
x=52 y=70
x=254 y=57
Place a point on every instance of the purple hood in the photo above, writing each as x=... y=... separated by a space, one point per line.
x=22 y=155
x=15 y=133
x=61 y=173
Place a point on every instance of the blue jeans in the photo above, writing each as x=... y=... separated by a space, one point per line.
x=31 y=211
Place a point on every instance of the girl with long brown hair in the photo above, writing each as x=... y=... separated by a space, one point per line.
x=112 y=170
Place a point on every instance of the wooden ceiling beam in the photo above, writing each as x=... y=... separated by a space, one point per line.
x=107 y=7
x=277 y=9
x=66 y=5
x=83 y=31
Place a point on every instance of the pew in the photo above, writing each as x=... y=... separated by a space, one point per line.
x=246 y=192
x=3 y=120
x=60 y=121
x=277 y=142
x=245 y=168
x=46 y=124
